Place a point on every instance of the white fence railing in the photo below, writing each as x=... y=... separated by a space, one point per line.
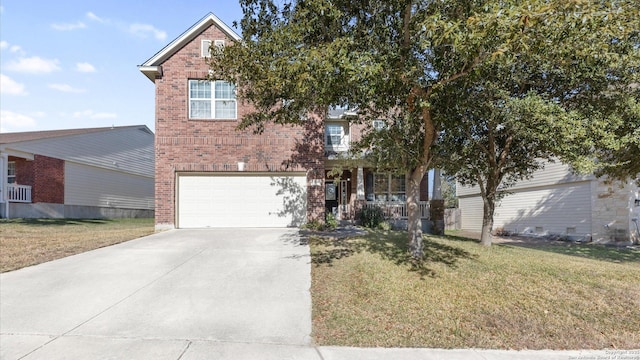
x=398 y=209
x=18 y=193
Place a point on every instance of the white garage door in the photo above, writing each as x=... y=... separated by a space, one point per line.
x=276 y=200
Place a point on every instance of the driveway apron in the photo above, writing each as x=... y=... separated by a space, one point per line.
x=171 y=295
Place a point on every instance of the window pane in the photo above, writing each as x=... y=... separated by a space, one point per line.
x=398 y=188
x=380 y=186
x=225 y=109
x=224 y=90
x=398 y=184
x=199 y=89
x=334 y=134
x=200 y=109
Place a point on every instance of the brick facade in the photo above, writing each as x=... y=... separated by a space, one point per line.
x=45 y=175
x=184 y=145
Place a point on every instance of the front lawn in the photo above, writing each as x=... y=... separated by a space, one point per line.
x=25 y=242
x=367 y=292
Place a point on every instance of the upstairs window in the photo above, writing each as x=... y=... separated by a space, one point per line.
x=379 y=124
x=336 y=137
x=205 y=46
x=212 y=100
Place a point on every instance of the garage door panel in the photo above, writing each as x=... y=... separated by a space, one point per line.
x=240 y=201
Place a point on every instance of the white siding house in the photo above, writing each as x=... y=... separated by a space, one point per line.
x=555 y=201
x=78 y=173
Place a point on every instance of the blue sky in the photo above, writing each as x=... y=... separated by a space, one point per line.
x=73 y=64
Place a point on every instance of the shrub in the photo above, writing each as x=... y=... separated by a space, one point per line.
x=313 y=225
x=385 y=225
x=371 y=217
x=330 y=221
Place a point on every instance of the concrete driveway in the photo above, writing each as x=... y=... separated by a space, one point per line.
x=181 y=294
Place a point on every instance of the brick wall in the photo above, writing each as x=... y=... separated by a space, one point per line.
x=45 y=175
x=216 y=145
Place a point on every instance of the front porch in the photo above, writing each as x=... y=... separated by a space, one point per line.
x=353 y=190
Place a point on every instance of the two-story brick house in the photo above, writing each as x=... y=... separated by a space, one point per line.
x=209 y=174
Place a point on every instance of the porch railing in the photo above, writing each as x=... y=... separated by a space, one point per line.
x=19 y=193
x=398 y=209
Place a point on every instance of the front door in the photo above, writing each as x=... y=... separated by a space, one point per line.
x=337 y=198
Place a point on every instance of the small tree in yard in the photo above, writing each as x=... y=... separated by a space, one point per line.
x=397 y=60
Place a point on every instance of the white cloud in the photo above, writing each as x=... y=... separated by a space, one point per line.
x=65 y=88
x=90 y=114
x=4 y=45
x=143 y=31
x=85 y=67
x=10 y=86
x=16 y=49
x=95 y=17
x=69 y=27
x=11 y=121
x=34 y=65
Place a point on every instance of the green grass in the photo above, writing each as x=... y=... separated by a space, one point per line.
x=368 y=292
x=26 y=242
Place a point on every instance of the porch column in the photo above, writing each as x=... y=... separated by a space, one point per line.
x=436 y=206
x=437 y=187
x=360 y=184
x=4 y=200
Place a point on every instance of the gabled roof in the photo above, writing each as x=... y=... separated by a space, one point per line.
x=151 y=68
x=9 y=138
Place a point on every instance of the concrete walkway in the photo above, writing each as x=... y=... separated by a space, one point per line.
x=184 y=294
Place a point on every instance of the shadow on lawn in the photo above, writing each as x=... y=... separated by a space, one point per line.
x=617 y=254
x=390 y=245
x=49 y=222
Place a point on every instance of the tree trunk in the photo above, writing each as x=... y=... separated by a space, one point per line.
x=487 y=221
x=414 y=220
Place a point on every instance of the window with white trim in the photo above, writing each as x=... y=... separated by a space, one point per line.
x=379 y=124
x=11 y=172
x=336 y=137
x=212 y=100
x=205 y=48
x=389 y=187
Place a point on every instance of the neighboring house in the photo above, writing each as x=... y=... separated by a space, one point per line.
x=209 y=174
x=77 y=173
x=555 y=201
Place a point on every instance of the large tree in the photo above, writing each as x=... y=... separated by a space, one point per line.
x=576 y=103
x=391 y=58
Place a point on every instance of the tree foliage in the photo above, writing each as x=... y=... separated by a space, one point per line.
x=566 y=92
x=407 y=61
